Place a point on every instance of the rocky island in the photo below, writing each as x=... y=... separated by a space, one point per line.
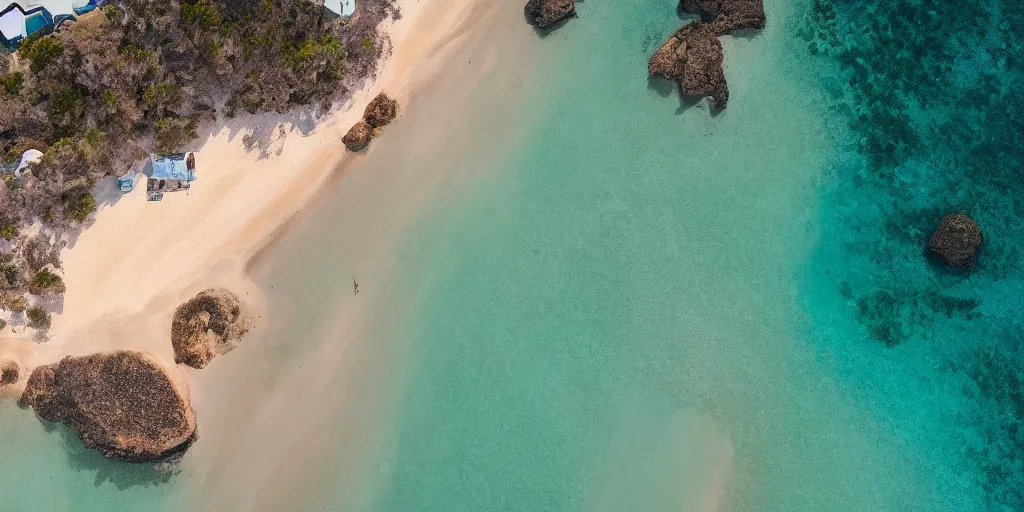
x=211 y=323
x=693 y=55
x=546 y=13
x=956 y=241
x=126 y=405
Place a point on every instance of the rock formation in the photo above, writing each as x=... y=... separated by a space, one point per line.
x=10 y=372
x=381 y=111
x=359 y=136
x=736 y=14
x=211 y=323
x=693 y=55
x=545 y=13
x=956 y=241
x=127 y=405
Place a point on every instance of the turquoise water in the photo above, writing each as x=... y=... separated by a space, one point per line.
x=615 y=301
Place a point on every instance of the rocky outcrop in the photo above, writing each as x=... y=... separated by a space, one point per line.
x=957 y=241
x=735 y=14
x=359 y=136
x=693 y=55
x=211 y=323
x=693 y=58
x=381 y=111
x=545 y=13
x=127 y=405
x=10 y=372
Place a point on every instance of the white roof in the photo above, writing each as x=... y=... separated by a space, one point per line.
x=54 y=6
x=12 y=24
x=29 y=156
x=342 y=7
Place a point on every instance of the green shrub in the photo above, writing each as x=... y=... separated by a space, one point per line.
x=114 y=14
x=38 y=318
x=8 y=229
x=171 y=133
x=40 y=51
x=67 y=106
x=12 y=82
x=46 y=283
x=17 y=304
x=80 y=207
x=200 y=15
x=9 y=273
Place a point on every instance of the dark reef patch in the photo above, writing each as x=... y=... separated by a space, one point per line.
x=934 y=94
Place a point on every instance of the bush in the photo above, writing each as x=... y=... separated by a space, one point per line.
x=79 y=208
x=200 y=15
x=9 y=273
x=114 y=14
x=17 y=304
x=38 y=318
x=12 y=82
x=8 y=230
x=40 y=51
x=172 y=133
x=46 y=284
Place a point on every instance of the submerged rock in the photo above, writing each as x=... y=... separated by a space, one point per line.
x=381 y=111
x=211 y=323
x=545 y=13
x=956 y=241
x=693 y=57
x=126 y=405
x=735 y=14
x=10 y=372
x=359 y=136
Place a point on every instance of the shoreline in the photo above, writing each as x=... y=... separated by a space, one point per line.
x=138 y=260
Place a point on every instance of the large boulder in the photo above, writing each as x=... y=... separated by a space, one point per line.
x=211 y=323
x=545 y=13
x=359 y=136
x=127 y=405
x=735 y=14
x=10 y=372
x=956 y=241
x=693 y=58
x=381 y=111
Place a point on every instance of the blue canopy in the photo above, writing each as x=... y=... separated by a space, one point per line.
x=172 y=167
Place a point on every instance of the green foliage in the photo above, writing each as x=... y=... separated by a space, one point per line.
x=46 y=283
x=48 y=214
x=80 y=207
x=201 y=14
x=67 y=108
x=108 y=99
x=40 y=51
x=17 y=304
x=38 y=318
x=12 y=82
x=172 y=133
x=8 y=229
x=9 y=273
x=114 y=14
x=299 y=55
x=368 y=44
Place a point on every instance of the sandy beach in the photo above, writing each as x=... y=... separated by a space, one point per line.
x=138 y=260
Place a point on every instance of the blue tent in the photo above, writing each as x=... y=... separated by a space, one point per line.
x=127 y=182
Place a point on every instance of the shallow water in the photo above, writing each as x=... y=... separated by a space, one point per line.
x=578 y=293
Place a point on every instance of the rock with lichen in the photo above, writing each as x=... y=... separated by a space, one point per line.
x=734 y=14
x=380 y=111
x=211 y=323
x=956 y=241
x=693 y=58
x=359 y=136
x=126 y=405
x=545 y=13
x=10 y=372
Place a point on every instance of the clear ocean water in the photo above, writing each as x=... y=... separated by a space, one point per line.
x=613 y=300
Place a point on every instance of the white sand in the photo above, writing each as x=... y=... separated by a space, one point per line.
x=138 y=260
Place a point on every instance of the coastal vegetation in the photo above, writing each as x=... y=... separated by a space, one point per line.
x=143 y=76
